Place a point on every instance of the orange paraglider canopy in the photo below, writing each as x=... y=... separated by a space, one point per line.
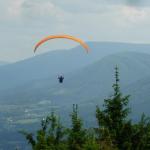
x=61 y=36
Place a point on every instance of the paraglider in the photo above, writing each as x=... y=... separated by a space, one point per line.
x=82 y=43
x=61 y=78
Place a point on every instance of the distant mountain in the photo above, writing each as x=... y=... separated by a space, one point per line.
x=90 y=84
x=60 y=62
x=2 y=63
x=24 y=106
x=30 y=90
x=140 y=96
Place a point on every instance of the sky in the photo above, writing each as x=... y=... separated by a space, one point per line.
x=24 y=22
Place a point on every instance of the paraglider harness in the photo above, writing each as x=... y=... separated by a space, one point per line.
x=60 y=78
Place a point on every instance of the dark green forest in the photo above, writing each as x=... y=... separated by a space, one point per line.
x=114 y=131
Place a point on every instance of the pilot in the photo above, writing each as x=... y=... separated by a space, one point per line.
x=60 y=78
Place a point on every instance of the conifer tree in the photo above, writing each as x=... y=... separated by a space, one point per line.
x=141 y=134
x=77 y=135
x=91 y=143
x=49 y=137
x=113 y=117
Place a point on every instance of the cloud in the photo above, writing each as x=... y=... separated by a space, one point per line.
x=134 y=2
x=39 y=9
x=99 y=20
x=134 y=14
x=57 y=9
x=31 y=9
x=15 y=8
x=138 y=3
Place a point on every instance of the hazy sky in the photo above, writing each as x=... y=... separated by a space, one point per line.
x=24 y=22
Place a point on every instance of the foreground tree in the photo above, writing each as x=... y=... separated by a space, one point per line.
x=112 y=120
x=141 y=134
x=77 y=135
x=49 y=137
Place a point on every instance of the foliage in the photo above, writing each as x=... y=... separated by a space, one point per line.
x=112 y=120
x=49 y=137
x=77 y=135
